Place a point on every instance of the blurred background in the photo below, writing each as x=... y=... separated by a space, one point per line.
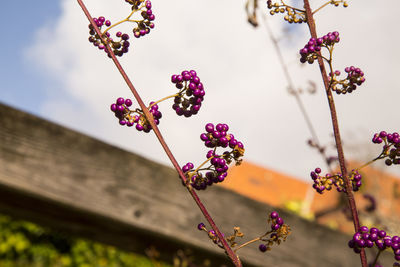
x=49 y=69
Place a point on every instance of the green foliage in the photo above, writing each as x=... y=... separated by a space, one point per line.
x=24 y=244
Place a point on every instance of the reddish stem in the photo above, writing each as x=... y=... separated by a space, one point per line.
x=149 y=117
x=350 y=196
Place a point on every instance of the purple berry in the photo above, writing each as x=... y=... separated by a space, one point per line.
x=274 y=215
x=262 y=247
x=201 y=226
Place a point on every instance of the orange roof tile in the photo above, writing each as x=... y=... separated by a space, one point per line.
x=276 y=189
x=264 y=185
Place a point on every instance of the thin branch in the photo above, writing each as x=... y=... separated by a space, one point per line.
x=350 y=196
x=295 y=93
x=321 y=7
x=149 y=117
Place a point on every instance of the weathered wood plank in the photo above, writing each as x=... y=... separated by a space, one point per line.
x=72 y=182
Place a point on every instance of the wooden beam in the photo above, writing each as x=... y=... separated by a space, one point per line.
x=74 y=183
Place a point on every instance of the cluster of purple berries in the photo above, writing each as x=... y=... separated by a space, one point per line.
x=218 y=170
x=279 y=232
x=211 y=234
x=216 y=173
x=191 y=94
x=355 y=77
x=322 y=183
x=126 y=116
x=309 y=52
x=367 y=238
x=189 y=107
x=391 y=149
x=144 y=25
x=216 y=136
x=119 y=47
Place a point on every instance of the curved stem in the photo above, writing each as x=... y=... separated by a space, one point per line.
x=162 y=99
x=321 y=7
x=115 y=24
x=252 y=241
x=285 y=5
x=201 y=165
x=350 y=196
x=371 y=161
x=120 y=22
x=376 y=258
x=234 y=258
x=248 y=242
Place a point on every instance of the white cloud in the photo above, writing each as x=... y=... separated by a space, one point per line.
x=244 y=84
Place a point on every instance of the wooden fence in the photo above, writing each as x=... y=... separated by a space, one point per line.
x=84 y=187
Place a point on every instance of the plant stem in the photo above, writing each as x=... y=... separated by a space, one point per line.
x=321 y=7
x=285 y=5
x=248 y=242
x=350 y=196
x=376 y=258
x=370 y=162
x=162 y=99
x=295 y=93
x=149 y=117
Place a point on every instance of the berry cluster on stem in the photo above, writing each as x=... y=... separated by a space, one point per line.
x=391 y=147
x=120 y=45
x=312 y=51
x=368 y=238
x=355 y=77
x=309 y=52
x=126 y=116
x=214 y=137
x=190 y=86
x=277 y=234
x=188 y=101
x=145 y=24
x=294 y=15
x=322 y=183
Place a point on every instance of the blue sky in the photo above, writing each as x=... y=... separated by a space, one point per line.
x=22 y=84
x=50 y=69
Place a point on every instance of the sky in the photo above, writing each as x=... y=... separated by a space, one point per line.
x=68 y=81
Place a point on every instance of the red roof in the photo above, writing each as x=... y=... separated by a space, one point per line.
x=277 y=189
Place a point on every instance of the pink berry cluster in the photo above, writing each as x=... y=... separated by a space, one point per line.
x=367 y=238
x=145 y=24
x=355 y=77
x=211 y=234
x=191 y=94
x=309 y=52
x=322 y=183
x=215 y=136
x=127 y=117
x=119 y=47
x=391 y=149
x=279 y=232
